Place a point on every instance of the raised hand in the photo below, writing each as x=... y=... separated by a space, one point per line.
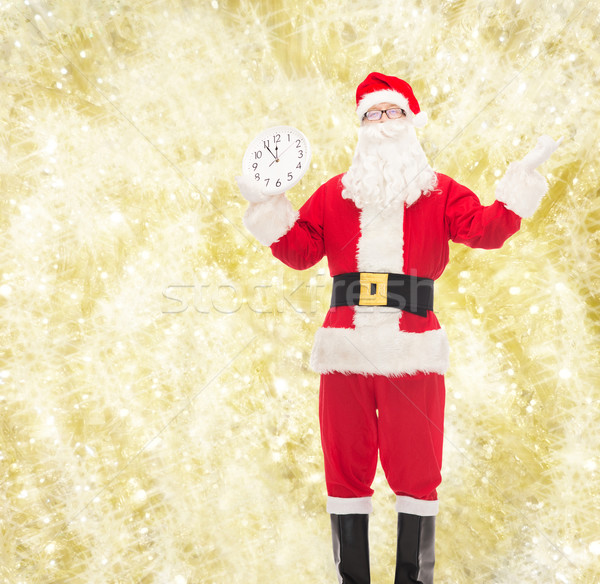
x=543 y=150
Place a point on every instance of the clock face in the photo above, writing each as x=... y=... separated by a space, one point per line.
x=277 y=158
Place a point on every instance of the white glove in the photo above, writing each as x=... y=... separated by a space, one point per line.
x=543 y=150
x=250 y=190
x=521 y=189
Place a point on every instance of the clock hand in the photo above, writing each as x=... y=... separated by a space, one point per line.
x=286 y=150
x=281 y=155
x=278 y=156
x=278 y=159
x=273 y=155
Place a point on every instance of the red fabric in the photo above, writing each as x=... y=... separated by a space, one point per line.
x=330 y=225
x=380 y=82
x=401 y=418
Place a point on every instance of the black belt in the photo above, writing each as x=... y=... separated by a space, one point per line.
x=408 y=293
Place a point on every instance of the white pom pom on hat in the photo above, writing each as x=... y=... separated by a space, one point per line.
x=379 y=88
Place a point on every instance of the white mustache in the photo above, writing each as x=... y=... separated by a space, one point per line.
x=389 y=166
x=389 y=129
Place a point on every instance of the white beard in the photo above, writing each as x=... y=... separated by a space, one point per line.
x=389 y=167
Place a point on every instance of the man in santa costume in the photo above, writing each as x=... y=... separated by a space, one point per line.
x=384 y=226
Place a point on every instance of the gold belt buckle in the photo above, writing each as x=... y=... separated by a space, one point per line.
x=373 y=289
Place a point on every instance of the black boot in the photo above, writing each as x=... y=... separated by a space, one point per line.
x=415 y=554
x=350 y=535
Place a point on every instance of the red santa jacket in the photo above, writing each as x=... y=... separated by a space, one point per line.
x=410 y=240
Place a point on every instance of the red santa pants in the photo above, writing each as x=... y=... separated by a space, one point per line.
x=402 y=418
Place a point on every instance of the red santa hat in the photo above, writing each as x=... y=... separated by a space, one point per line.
x=379 y=88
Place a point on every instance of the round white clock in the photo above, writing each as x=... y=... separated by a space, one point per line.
x=277 y=159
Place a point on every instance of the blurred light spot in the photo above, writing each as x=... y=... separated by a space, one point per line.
x=594 y=547
x=140 y=496
x=281 y=386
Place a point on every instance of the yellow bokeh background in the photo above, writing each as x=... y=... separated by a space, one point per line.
x=159 y=419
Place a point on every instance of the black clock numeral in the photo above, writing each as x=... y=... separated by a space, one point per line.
x=267 y=181
x=278 y=183
x=255 y=166
x=298 y=143
x=266 y=144
x=277 y=138
x=290 y=176
x=258 y=154
x=300 y=154
x=257 y=176
x=299 y=165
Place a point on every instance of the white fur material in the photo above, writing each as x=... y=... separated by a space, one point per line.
x=380 y=249
x=521 y=189
x=420 y=120
x=390 y=96
x=250 y=190
x=389 y=168
x=416 y=506
x=375 y=350
x=270 y=220
x=341 y=506
x=381 y=244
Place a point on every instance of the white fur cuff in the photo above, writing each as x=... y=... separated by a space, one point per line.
x=521 y=189
x=340 y=506
x=270 y=220
x=416 y=506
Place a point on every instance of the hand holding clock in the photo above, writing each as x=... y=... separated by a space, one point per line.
x=250 y=190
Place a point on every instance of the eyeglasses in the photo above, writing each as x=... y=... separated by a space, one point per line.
x=392 y=114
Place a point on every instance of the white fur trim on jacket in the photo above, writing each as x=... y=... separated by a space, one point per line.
x=373 y=350
x=270 y=220
x=340 y=506
x=416 y=506
x=521 y=189
x=390 y=96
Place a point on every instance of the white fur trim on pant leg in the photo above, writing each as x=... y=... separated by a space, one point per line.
x=343 y=506
x=416 y=506
x=270 y=220
x=521 y=190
